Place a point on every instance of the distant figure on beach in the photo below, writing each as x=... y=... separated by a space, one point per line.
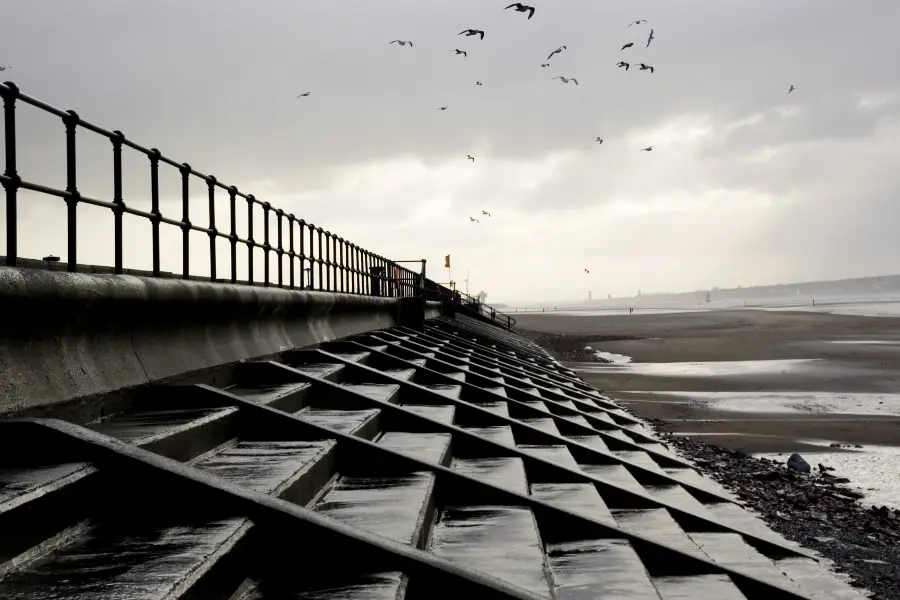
x=814 y=301
x=630 y=310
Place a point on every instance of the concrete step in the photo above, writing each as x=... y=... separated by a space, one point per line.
x=369 y=586
x=592 y=441
x=443 y=413
x=640 y=458
x=430 y=447
x=579 y=498
x=361 y=423
x=321 y=370
x=677 y=496
x=694 y=587
x=599 y=569
x=498 y=408
x=450 y=391
x=502 y=541
x=134 y=558
x=397 y=507
x=503 y=472
x=616 y=474
x=499 y=390
x=294 y=471
x=405 y=374
x=537 y=404
x=501 y=434
x=656 y=524
x=548 y=425
x=275 y=395
x=180 y=434
x=357 y=357
x=557 y=454
x=385 y=392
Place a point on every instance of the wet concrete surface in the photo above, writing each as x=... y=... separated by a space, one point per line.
x=451 y=391
x=21 y=485
x=140 y=428
x=444 y=413
x=320 y=370
x=123 y=560
x=503 y=472
x=557 y=454
x=377 y=391
x=714 y=587
x=264 y=466
x=265 y=394
x=393 y=507
x=599 y=569
x=502 y=541
x=579 y=498
x=430 y=447
x=502 y=434
x=346 y=421
x=498 y=408
x=374 y=586
x=548 y=425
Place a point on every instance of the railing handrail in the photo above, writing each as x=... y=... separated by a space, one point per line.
x=354 y=269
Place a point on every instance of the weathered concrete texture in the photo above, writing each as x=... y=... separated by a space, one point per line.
x=69 y=335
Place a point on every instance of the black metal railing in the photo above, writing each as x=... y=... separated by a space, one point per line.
x=306 y=256
x=441 y=293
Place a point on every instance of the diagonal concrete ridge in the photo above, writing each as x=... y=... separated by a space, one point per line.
x=267 y=511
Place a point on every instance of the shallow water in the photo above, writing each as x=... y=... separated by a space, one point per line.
x=796 y=402
x=872 y=469
x=703 y=369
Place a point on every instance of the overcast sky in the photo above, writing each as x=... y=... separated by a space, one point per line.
x=746 y=184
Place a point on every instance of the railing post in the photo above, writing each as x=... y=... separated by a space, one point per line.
x=302 y=225
x=154 y=208
x=119 y=210
x=291 y=254
x=213 y=233
x=185 y=220
x=11 y=185
x=279 y=251
x=266 y=246
x=376 y=273
x=250 y=243
x=71 y=123
x=233 y=237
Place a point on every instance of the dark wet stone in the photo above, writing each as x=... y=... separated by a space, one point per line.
x=796 y=463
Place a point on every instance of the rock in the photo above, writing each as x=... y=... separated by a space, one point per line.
x=796 y=463
x=834 y=445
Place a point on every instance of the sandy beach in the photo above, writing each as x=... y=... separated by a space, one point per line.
x=753 y=380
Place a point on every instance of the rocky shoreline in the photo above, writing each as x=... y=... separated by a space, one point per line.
x=568 y=347
x=816 y=510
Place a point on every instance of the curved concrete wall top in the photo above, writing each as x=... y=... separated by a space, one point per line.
x=65 y=336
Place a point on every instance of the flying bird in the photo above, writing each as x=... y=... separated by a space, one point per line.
x=304 y=95
x=628 y=45
x=623 y=64
x=587 y=271
x=470 y=157
x=599 y=140
x=791 y=89
x=647 y=149
x=474 y=220
x=484 y=212
x=443 y=108
x=458 y=51
x=471 y=32
x=646 y=67
x=401 y=42
x=545 y=64
x=478 y=83
x=650 y=39
x=638 y=22
x=522 y=8
x=4 y=67
x=557 y=51
x=567 y=79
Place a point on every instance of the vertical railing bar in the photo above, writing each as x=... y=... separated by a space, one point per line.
x=213 y=233
x=250 y=243
x=71 y=123
x=118 y=201
x=154 y=209
x=266 y=246
x=185 y=221
x=233 y=237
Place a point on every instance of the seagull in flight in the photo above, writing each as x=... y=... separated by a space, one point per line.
x=478 y=83
x=791 y=89
x=628 y=45
x=401 y=42
x=599 y=140
x=471 y=32
x=650 y=39
x=470 y=157
x=587 y=271
x=545 y=64
x=623 y=64
x=638 y=22
x=647 y=149
x=646 y=67
x=557 y=51
x=567 y=79
x=474 y=220
x=458 y=51
x=304 y=95
x=443 y=108
x=522 y=8
x=4 y=67
x=484 y=212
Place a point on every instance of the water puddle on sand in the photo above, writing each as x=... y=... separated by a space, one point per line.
x=610 y=357
x=872 y=469
x=697 y=369
x=794 y=402
x=867 y=342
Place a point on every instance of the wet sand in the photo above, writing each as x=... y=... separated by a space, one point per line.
x=847 y=367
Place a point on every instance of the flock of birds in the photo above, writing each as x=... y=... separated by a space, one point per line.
x=530 y=10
